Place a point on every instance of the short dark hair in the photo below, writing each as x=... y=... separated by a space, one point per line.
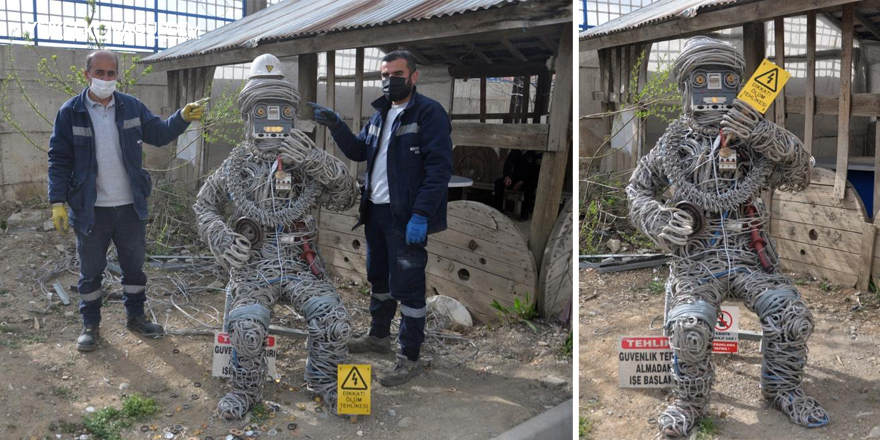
x=101 y=53
x=398 y=54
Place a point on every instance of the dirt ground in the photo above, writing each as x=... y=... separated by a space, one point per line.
x=45 y=381
x=842 y=371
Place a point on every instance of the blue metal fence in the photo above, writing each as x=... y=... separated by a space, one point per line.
x=140 y=25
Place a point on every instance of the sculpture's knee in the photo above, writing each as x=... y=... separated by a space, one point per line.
x=690 y=327
x=784 y=315
x=248 y=327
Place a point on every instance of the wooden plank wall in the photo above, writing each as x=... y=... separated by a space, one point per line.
x=481 y=257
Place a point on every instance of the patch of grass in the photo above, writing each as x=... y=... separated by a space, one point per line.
x=64 y=393
x=364 y=290
x=139 y=408
x=584 y=427
x=826 y=285
x=10 y=343
x=106 y=423
x=657 y=287
x=523 y=311
x=8 y=329
x=707 y=429
x=34 y=339
x=259 y=413
x=568 y=346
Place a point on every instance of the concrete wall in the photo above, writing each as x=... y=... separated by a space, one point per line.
x=23 y=167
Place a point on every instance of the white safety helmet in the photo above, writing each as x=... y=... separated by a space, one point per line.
x=266 y=66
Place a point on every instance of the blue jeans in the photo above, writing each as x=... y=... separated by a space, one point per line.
x=128 y=232
x=396 y=272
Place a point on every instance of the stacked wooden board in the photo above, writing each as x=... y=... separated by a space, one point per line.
x=481 y=257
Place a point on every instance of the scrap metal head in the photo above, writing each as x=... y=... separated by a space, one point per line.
x=708 y=73
x=268 y=102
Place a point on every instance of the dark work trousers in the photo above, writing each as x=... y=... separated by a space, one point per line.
x=396 y=272
x=128 y=232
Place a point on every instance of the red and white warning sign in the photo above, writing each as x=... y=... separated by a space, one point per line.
x=644 y=362
x=222 y=365
x=727 y=331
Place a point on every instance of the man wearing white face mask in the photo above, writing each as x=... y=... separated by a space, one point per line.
x=95 y=167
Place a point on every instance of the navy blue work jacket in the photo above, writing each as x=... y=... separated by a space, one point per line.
x=73 y=166
x=419 y=159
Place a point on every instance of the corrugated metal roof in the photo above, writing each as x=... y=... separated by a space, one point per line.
x=662 y=10
x=302 y=18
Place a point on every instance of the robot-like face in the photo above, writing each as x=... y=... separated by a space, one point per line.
x=272 y=119
x=713 y=88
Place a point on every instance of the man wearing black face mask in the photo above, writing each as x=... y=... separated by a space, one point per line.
x=408 y=149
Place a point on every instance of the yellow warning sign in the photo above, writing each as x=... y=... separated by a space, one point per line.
x=764 y=85
x=353 y=389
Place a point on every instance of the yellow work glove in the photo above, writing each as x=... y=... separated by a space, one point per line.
x=59 y=217
x=192 y=112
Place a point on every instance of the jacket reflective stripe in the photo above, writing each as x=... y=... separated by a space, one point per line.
x=374 y=130
x=408 y=128
x=82 y=131
x=131 y=123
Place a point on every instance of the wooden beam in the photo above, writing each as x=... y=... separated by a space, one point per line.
x=513 y=50
x=490 y=116
x=703 y=22
x=492 y=24
x=374 y=75
x=555 y=161
x=526 y=99
x=548 y=43
x=810 y=98
x=446 y=54
x=420 y=57
x=542 y=93
x=514 y=136
x=754 y=46
x=497 y=69
x=330 y=99
x=825 y=54
x=643 y=80
x=845 y=101
x=358 y=99
x=862 y=104
x=478 y=53
x=625 y=72
x=779 y=43
x=307 y=64
x=868 y=24
x=482 y=97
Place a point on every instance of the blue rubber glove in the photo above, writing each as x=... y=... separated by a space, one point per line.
x=417 y=229
x=325 y=116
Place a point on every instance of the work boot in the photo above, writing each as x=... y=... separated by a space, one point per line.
x=142 y=326
x=88 y=339
x=368 y=342
x=401 y=372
